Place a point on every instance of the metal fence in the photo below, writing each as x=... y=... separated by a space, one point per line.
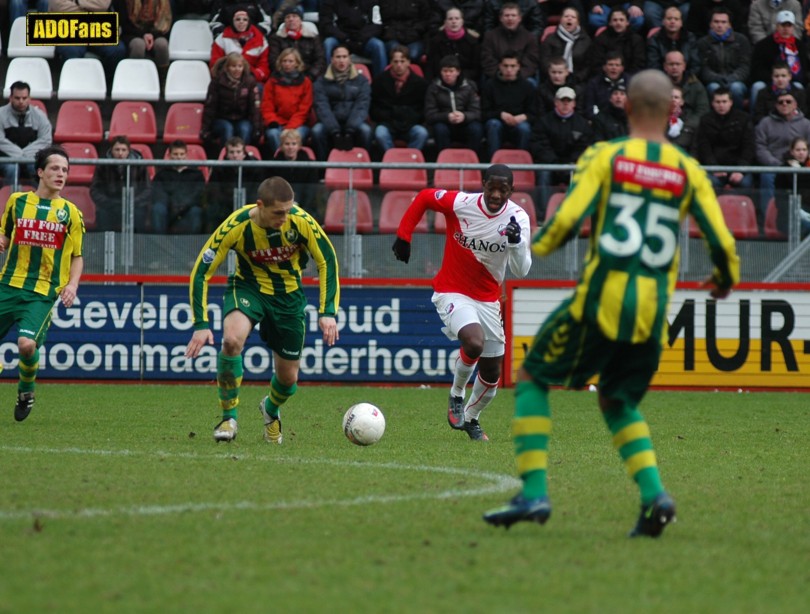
x=368 y=254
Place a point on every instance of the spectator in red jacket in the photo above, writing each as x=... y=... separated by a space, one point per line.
x=287 y=100
x=245 y=38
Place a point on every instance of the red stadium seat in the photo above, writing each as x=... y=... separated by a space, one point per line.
x=136 y=120
x=527 y=203
x=549 y=30
x=451 y=179
x=338 y=178
x=403 y=178
x=554 y=203
x=81 y=174
x=147 y=154
x=771 y=231
x=336 y=207
x=195 y=152
x=79 y=195
x=740 y=215
x=184 y=122
x=523 y=180
x=79 y=120
x=392 y=209
x=364 y=70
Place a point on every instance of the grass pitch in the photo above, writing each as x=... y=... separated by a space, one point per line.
x=116 y=499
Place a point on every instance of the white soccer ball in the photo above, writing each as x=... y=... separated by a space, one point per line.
x=363 y=424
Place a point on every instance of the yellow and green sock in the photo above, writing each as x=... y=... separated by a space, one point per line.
x=531 y=428
x=229 y=381
x=277 y=396
x=631 y=437
x=28 y=372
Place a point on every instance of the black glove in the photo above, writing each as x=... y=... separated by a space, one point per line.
x=512 y=231
x=273 y=125
x=402 y=250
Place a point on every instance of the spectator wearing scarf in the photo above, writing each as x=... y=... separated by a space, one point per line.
x=725 y=57
x=245 y=38
x=302 y=35
x=570 y=42
x=782 y=46
x=286 y=101
x=454 y=38
x=762 y=17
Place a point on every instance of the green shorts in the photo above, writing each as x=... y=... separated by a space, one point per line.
x=281 y=317
x=31 y=312
x=569 y=353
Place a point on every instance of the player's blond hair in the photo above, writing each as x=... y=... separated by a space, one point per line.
x=650 y=94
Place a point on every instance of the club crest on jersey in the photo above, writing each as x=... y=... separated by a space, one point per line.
x=439 y=193
x=208 y=256
x=244 y=302
x=291 y=235
x=62 y=215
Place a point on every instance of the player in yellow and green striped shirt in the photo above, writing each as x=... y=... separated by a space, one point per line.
x=273 y=241
x=41 y=234
x=637 y=190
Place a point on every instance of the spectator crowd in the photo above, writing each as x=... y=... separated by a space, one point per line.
x=546 y=76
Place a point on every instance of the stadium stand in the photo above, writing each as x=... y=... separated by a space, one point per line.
x=523 y=180
x=81 y=174
x=136 y=80
x=338 y=178
x=79 y=195
x=82 y=79
x=403 y=178
x=190 y=39
x=187 y=81
x=183 y=121
x=79 y=120
x=393 y=206
x=17 y=47
x=36 y=72
x=451 y=179
x=136 y=120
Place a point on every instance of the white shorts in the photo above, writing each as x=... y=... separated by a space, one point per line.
x=457 y=310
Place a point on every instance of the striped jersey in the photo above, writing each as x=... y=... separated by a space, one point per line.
x=273 y=260
x=637 y=193
x=45 y=235
x=476 y=252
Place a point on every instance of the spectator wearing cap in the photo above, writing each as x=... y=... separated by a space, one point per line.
x=559 y=137
x=611 y=122
x=453 y=108
x=725 y=57
x=454 y=38
x=508 y=106
x=303 y=37
x=243 y=37
x=259 y=11
x=695 y=100
x=782 y=45
x=725 y=137
x=764 y=15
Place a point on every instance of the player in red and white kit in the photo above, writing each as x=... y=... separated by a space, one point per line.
x=485 y=233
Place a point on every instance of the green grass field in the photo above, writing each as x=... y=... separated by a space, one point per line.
x=116 y=499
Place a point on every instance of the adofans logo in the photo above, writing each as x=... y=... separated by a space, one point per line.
x=71 y=29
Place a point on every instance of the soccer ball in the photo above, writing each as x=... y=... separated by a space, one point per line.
x=363 y=424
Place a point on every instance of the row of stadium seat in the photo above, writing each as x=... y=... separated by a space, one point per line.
x=85 y=79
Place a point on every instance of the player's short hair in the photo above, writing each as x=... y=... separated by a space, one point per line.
x=41 y=159
x=499 y=170
x=19 y=85
x=275 y=189
x=650 y=94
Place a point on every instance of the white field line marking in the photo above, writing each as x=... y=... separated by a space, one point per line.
x=495 y=483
